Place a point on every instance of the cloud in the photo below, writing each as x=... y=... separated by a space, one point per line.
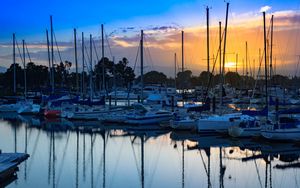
x=265 y=8
x=163 y=40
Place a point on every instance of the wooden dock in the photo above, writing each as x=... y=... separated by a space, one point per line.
x=9 y=165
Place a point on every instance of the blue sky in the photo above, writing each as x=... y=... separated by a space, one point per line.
x=31 y=17
x=162 y=21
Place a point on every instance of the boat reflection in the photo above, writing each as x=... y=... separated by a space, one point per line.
x=92 y=154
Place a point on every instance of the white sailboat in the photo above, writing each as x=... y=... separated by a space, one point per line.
x=29 y=108
x=187 y=123
x=248 y=127
x=88 y=113
x=291 y=133
x=219 y=123
x=144 y=116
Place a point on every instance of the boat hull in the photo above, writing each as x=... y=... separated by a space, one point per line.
x=183 y=124
x=236 y=131
x=282 y=134
x=141 y=120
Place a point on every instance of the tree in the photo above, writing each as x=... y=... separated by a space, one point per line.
x=184 y=79
x=233 y=79
x=123 y=73
x=154 y=77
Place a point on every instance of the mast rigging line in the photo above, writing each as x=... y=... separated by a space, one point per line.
x=213 y=69
x=89 y=59
x=95 y=50
x=28 y=52
x=147 y=50
x=57 y=47
x=137 y=56
x=108 y=44
x=22 y=60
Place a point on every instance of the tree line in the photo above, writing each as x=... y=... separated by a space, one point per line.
x=122 y=75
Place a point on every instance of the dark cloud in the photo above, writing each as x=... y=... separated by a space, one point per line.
x=164 y=28
x=287 y=18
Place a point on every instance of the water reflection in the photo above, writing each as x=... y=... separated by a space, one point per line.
x=90 y=154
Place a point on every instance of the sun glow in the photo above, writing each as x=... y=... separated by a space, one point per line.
x=230 y=64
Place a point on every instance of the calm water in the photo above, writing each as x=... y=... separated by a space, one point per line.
x=62 y=154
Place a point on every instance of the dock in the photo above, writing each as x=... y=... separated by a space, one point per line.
x=9 y=165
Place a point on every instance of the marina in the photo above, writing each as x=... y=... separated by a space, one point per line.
x=99 y=109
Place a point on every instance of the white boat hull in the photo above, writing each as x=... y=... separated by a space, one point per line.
x=205 y=125
x=236 y=131
x=142 y=120
x=29 y=109
x=186 y=124
x=282 y=134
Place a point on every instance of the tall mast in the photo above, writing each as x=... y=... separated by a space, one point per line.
x=175 y=71
x=254 y=68
x=236 y=62
x=207 y=34
x=24 y=63
x=76 y=62
x=52 y=54
x=224 y=52
x=142 y=64
x=49 y=58
x=103 y=65
x=182 y=51
x=91 y=71
x=14 y=62
x=247 y=59
x=82 y=73
x=266 y=68
x=271 y=52
x=220 y=48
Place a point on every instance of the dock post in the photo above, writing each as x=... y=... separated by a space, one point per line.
x=276 y=107
x=139 y=99
x=214 y=104
x=172 y=103
x=109 y=99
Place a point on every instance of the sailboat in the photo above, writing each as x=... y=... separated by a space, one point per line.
x=219 y=123
x=253 y=127
x=145 y=116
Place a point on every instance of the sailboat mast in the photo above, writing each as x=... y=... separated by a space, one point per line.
x=266 y=68
x=220 y=48
x=224 y=52
x=82 y=74
x=52 y=54
x=142 y=64
x=76 y=62
x=91 y=70
x=271 y=52
x=175 y=70
x=24 y=64
x=14 y=62
x=103 y=65
x=247 y=59
x=207 y=39
x=236 y=62
x=182 y=51
x=49 y=58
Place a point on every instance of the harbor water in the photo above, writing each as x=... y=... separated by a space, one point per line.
x=80 y=154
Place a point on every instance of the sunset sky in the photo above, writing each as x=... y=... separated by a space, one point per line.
x=162 y=22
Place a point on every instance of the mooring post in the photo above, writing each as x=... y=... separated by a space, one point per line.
x=109 y=99
x=172 y=103
x=214 y=104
